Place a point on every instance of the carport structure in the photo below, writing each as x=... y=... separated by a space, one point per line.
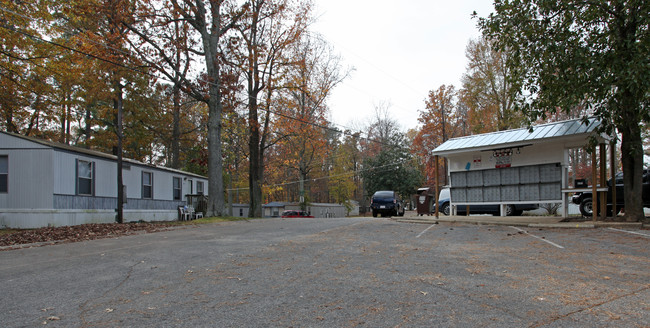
x=520 y=166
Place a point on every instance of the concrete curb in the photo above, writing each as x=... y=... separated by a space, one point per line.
x=561 y=225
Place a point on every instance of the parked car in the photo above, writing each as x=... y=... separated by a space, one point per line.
x=296 y=214
x=444 y=203
x=584 y=199
x=386 y=203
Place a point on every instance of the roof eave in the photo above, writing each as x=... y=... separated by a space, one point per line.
x=572 y=140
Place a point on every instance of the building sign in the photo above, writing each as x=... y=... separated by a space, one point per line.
x=503 y=158
x=477 y=161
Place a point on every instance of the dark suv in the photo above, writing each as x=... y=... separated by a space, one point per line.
x=585 y=202
x=386 y=203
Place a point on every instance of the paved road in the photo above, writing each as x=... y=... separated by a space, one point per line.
x=334 y=273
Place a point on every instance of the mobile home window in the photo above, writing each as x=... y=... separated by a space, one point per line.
x=178 y=188
x=85 y=174
x=147 y=185
x=4 y=174
x=199 y=187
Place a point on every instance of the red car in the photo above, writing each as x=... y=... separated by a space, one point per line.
x=296 y=214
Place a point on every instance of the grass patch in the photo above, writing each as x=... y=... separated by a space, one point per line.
x=7 y=231
x=208 y=220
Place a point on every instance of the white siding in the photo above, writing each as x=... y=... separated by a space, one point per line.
x=42 y=187
x=30 y=182
x=132 y=179
x=163 y=185
x=531 y=155
x=64 y=166
x=11 y=142
x=106 y=178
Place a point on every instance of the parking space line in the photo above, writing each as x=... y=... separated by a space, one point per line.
x=540 y=238
x=425 y=230
x=632 y=232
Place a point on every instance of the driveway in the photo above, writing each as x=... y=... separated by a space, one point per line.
x=344 y=272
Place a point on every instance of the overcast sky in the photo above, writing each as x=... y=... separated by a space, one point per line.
x=400 y=50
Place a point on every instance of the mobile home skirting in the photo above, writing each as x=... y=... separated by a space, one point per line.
x=38 y=218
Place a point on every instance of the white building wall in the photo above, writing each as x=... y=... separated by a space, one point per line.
x=64 y=166
x=163 y=185
x=31 y=181
x=66 y=170
x=11 y=142
x=31 y=219
x=39 y=173
x=531 y=155
x=132 y=179
x=106 y=178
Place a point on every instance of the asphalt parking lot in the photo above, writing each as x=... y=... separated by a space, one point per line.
x=346 y=272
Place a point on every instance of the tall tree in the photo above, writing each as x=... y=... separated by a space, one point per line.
x=266 y=32
x=25 y=66
x=489 y=90
x=209 y=23
x=439 y=123
x=393 y=168
x=110 y=33
x=568 y=52
x=317 y=72
x=382 y=130
x=343 y=173
x=389 y=164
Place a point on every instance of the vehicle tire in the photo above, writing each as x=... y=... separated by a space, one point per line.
x=586 y=207
x=374 y=213
x=510 y=210
x=445 y=209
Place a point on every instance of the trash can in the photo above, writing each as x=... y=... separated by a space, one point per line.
x=425 y=201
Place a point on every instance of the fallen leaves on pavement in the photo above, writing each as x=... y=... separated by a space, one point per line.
x=77 y=233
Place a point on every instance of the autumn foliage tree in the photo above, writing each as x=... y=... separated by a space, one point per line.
x=315 y=74
x=440 y=121
x=259 y=50
x=489 y=89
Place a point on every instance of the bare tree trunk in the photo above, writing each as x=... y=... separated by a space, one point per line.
x=632 y=158
x=215 y=162
x=88 y=127
x=254 y=172
x=68 y=115
x=216 y=202
x=63 y=121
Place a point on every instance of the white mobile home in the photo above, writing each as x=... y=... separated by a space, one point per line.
x=45 y=183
